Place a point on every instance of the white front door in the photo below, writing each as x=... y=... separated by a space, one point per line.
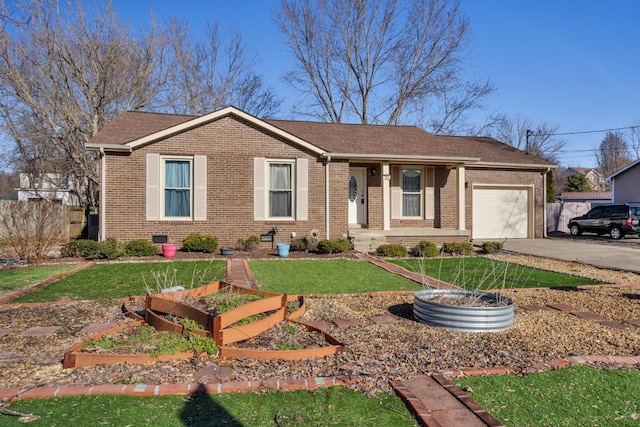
x=357 y=196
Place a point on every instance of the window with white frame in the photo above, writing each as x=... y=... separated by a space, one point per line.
x=177 y=188
x=281 y=185
x=280 y=189
x=412 y=192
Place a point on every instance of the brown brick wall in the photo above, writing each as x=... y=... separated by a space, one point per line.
x=230 y=147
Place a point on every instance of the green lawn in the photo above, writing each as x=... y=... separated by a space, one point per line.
x=483 y=273
x=13 y=279
x=327 y=406
x=338 y=276
x=574 y=396
x=119 y=280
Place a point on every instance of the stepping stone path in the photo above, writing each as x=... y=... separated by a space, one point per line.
x=586 y=315
x=39 y=331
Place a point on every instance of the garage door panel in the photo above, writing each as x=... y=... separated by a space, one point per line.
x=500 y=213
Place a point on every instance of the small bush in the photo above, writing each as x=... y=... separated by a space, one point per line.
x=302 y=244
x=196 y=242
x=425 y=249
x=334 y=246
x=457 y=248
x=491 y=247
x=110 y=249
x=250 y=244
x=84 y=248
x=391 y=250
x=140 y=247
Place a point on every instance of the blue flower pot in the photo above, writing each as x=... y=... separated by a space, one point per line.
x=283 y=249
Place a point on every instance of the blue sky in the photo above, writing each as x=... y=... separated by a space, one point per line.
x=573 y=64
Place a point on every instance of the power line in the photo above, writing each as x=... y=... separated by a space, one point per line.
x=584 y=131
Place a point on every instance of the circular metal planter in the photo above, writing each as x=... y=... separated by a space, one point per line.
x=493 y=312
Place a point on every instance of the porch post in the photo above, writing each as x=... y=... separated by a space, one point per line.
x=327 y=211
x=103 y=196
x=460 y=179
x=386 y=196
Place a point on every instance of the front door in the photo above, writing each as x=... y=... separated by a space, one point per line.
x=357 y=196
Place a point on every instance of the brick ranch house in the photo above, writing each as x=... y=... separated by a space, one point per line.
x=233 y=175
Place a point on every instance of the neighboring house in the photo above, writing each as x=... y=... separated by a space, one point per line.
x=593 y=175
x=624 y=183
x=593 y=197
x=47 y=186
x=233 y=175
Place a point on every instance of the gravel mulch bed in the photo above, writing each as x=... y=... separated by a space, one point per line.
x=378 y=352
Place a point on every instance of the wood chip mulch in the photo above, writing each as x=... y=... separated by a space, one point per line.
x=377 y=351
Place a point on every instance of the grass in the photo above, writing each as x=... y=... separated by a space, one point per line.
x=481 y=273
x=107 y=281
x=322 y=407
x=574 y=396
x=338 y=276
x=13 y=279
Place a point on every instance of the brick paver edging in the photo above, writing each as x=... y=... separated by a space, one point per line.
x=171 y=389
x=44 y=283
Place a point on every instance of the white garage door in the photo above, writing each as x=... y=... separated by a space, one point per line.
x=500 y=213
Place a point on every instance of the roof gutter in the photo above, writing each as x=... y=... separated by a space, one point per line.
x=514 y=165
x=387 y=157
x=107 y=147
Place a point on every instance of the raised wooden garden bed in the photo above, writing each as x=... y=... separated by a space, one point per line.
x=161 y=310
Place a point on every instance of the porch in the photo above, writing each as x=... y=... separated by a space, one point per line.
x=367 y=240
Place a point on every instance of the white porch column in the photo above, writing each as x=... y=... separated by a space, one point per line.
x=103 y=196
x=386 y=196
x=460 y=179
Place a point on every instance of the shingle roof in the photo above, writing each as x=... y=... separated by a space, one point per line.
x=586 y=195
x=132 y=125
x=337 y=138
x=402 y=141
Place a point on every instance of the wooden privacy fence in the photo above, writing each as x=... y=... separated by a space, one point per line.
x=559 y=214
x=37 y=216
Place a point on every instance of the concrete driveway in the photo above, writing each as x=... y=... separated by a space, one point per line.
x=589 y=252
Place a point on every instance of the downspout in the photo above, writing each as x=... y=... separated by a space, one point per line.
x=326 y=197
x=544 y=204
x=103 y=186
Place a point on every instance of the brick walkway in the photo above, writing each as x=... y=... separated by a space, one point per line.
x=433 y=399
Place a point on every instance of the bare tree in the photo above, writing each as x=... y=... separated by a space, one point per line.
x=380 y=61
x=213 y=74
x=64 y=76
x=634 y=140
x=72 y=67
x=613 y=153
x=523 y=134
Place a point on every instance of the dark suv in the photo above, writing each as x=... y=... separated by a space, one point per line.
x=616 y=220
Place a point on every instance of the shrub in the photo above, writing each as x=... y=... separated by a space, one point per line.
x=84 y=248
x=457 y=248
x=249 y=244
x=391 y=250
x=491 y=247
x=425 y=249
x=110 y=249
x=31 y=230
x=196 y=242
x=334 y=246
x=302 y=244
x=140 y=247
